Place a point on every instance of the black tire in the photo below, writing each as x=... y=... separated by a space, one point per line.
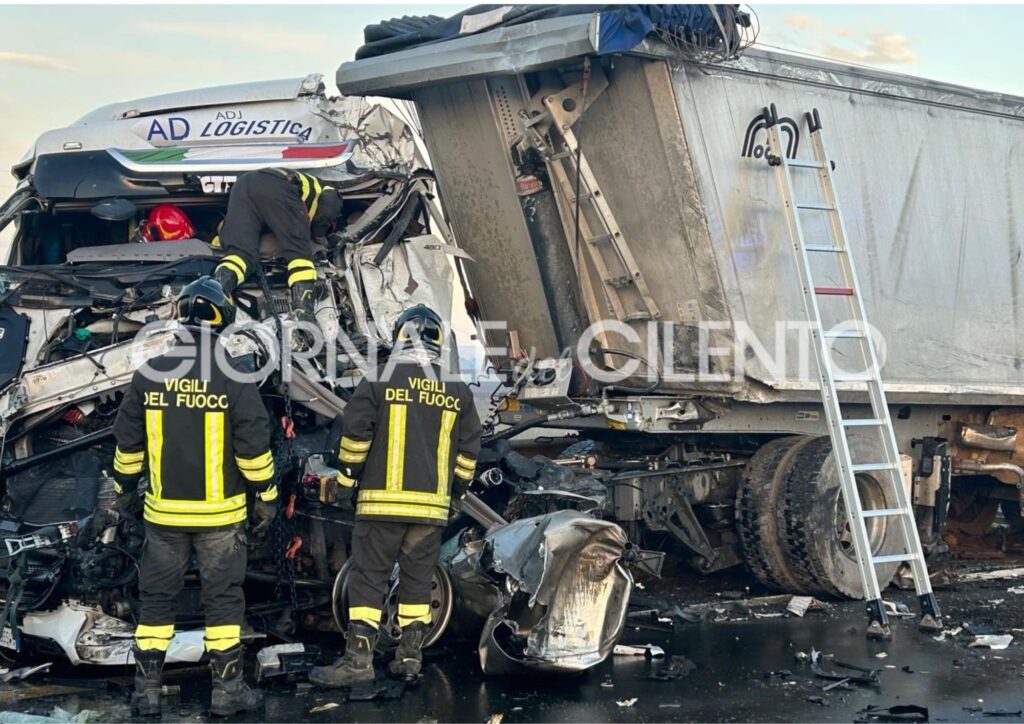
x=812 y=519
x=756 y=506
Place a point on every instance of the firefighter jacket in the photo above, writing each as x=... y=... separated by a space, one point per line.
x=321 y=215
x=408 y=440
x=200 y=434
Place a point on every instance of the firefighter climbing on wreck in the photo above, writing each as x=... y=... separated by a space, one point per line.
x=202 y=435
x=410 y=441
x=296 y=208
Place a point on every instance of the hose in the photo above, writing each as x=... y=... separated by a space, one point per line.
x=624 y=389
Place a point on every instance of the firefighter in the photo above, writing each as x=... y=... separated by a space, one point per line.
x=202 y=435
x=166 y=222
x=296 y=208
x=411 y=441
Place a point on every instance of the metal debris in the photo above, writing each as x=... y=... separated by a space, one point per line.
x=324 y=707
x=627 y=703
x=991 y=641
x=898 y=713
x=864 y=676
x=24 y=672
x=648 y=650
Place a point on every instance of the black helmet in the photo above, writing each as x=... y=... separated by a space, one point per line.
x=419 y=324
x=203 y=303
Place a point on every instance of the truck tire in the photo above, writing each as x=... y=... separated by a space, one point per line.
x=756 y=508
x=816 y=538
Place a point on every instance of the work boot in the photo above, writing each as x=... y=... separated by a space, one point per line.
x=356 y=666
x=227 y=279
x=409 y=656
x=149 y=669
x=230 y=693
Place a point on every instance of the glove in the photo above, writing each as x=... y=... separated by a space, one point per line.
x=265 y=510
x=128 y=500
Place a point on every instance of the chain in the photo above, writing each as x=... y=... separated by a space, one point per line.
x=283 y=528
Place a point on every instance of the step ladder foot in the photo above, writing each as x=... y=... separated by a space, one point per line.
x=878 y=621
x=931 y=616
x=878 y=632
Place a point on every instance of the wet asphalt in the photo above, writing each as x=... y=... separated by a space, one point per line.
x=731 y=681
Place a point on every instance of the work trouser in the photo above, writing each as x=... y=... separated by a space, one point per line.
x=262 y=200
x=221 y=555
x=376 y=545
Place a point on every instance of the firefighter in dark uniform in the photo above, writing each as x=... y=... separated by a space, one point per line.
x=411 y=442
x=202 y=436
x=296 y=208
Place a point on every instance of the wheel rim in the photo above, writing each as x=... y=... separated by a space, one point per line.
x=441 y=605
x=872 y=495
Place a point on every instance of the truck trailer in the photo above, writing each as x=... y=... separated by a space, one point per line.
x=622 y=216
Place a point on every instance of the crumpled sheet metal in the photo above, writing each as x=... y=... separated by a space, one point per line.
x=555 y=589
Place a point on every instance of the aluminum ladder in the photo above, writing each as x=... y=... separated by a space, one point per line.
x=887 y=470
x=629 y=298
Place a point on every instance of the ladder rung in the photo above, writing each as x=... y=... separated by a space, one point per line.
x=843 y=334
x=803 y=164
x=638 y=317
x=853 y=377
x=600 y=238
x=825 y=247
x=870 y=467
x=834 y=291
x=814 y=206
x=618 y=282
x=894 y=558
x=881 y=512
x=865 y=422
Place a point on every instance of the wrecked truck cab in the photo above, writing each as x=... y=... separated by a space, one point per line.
x=77 y=290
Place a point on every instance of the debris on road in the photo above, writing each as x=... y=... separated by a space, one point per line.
x=898 y=713
x=864 y=676
x=324 y=707
x=24 y=672
x=799 y=605
x=996 y=575
x=991 y=641
x=626 y=703
x=284 y=659
x=648 y=650
x=678 y=667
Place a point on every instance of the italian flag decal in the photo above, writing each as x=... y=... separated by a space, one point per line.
x=232 y=157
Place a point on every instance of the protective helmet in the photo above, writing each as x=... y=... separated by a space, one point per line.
x=419 y=325
x=203 y=303
x=167 y=222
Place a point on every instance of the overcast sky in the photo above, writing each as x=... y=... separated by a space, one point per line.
x=59 y=62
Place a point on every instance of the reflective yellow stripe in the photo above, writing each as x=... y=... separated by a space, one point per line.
x=220 y=638
x=300 y=264
x=260 y=461
x=157 y=638
x=463 y=473
x=351 y=457
x=259 y=476
x=117 y=488
x=305 y=275
x=444 y=450
x=129 y=457
x=348 y=443
x=403 y=496
x=465 y=461
x=194 y=521
x=316 y=197
x=155 y=435
x=214 y=422
x=195 y=506
x=404 y=511
x=396 y=447
x=268 y=495
x=412 y=610
x=236 y=264
x=366 y=614
x=132 y=469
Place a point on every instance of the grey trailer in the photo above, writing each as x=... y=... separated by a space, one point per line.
x=706 y=298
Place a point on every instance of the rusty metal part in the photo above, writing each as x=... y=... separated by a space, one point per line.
x=987 y=437
x=969 y=466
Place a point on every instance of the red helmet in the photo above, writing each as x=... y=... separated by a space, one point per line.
x=167 y=222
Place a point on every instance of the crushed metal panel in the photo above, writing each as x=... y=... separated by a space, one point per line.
x=570 y=592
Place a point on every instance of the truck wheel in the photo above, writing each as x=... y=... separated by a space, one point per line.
x=816 y=537
x=756 y=506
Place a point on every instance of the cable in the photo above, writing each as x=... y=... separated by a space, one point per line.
x=643 y=360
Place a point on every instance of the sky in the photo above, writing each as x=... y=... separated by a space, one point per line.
x=59 y=62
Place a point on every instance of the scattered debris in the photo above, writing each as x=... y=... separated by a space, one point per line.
x=24 y=672
x=607 y=683
x=1001 y=712
x=881 y=655
x=991 y=575
x=324 y=707
x=284 y=659
x=649 y=650
x=897 y=609
x=495 y=718
x=781 y=674
x=799 y=605
x=865 y=676
x=678 y=667
x=906 y=669
x=626 y=703
x=991 y=641
x=58 y=715
x=819 y=700
x=898 y=713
